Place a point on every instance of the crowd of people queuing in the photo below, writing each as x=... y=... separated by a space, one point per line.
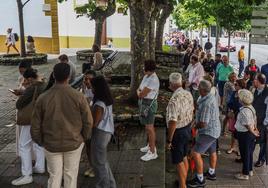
x=55 y=121
x=241 y=99
x=206 y=89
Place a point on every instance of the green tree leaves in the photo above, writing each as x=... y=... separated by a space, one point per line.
x=229 y=14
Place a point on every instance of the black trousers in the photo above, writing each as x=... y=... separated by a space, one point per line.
x=246 y=141
x=263 y=144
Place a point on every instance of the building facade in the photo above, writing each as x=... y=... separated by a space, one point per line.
x=59 y=27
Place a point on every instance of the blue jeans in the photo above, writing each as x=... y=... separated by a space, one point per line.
x=221 y=87
x=241 y=67
x=246 y=141
x=99 y=143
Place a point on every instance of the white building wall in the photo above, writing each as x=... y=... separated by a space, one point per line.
x=39 y=25
x=35 y=21
x=69 y=25
x=118 y=26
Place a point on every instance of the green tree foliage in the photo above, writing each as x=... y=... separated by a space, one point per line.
x=193 y=14
x=230 y=14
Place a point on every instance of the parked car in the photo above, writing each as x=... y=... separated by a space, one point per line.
x=224 y=48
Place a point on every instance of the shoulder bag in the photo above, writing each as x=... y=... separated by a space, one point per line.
x=144 y=110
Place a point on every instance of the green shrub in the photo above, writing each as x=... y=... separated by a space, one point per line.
x=166 y=48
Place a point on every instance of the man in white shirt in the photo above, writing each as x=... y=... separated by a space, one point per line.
x=196 y=74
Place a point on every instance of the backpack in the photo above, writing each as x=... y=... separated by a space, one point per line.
x=16 y=36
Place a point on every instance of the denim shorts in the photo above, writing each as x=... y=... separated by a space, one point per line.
x=149 y=119
x=205 y=143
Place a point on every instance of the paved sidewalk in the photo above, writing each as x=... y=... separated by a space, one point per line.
x=129 y=171
x=225 y=171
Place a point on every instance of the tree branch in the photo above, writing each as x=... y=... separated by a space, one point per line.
x=25 y=3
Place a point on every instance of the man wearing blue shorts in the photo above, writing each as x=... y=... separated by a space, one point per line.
x=209 y=128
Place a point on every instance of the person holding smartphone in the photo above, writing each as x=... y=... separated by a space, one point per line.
x=35 y=86
x=23 y=66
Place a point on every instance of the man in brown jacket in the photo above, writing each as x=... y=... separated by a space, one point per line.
x=61 y=123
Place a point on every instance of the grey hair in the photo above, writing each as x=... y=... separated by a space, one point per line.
x=175 y=78
x=205 y=85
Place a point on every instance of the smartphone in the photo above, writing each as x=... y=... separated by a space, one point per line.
x=11 y=90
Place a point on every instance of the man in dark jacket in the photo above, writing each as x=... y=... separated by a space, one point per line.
x=264 y=70
x=260 y=104
x=186 y=59
x=208 y=46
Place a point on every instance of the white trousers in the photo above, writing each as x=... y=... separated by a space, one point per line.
x=26 y=148
x=63 y=163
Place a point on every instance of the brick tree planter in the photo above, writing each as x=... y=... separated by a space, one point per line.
x=15 y=59
x=88 y=54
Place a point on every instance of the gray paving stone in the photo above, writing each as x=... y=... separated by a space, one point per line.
x=129 y=170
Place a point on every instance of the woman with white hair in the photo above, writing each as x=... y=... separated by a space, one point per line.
x=246 y=133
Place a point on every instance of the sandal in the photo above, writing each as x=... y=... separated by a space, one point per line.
x=230 y=151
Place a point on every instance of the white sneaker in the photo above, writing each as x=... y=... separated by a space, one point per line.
x=242 y=177
x=145 y=149
x=38 y=171
x=149 y=156
x=23 y=180
x=251 y=173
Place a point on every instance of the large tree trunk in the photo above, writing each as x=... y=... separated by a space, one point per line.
x=217 y=39
x=209 y=32
x=201 y=36
x=99 y=15
x=98 y=31
x=154 y=14
x=229 y=42
x=22 y=37
x=160 y=24
x=139 y=26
